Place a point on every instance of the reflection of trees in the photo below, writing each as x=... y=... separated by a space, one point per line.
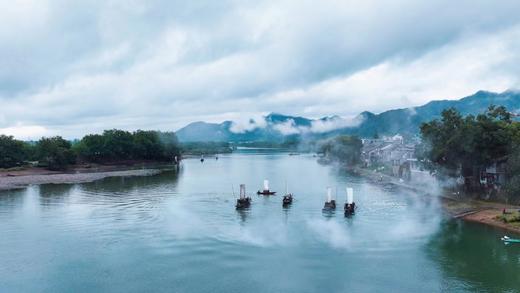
x=474 y=254
x=12 y=197
x=54 y=193
x=117 y=185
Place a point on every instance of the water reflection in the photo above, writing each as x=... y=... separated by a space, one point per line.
x=53 y=194
x=121 y=185
x=475 y=254
x=180 y=231
x=243 y=214
x=10 y=199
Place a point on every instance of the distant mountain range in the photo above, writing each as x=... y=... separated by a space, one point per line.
x=276 y=127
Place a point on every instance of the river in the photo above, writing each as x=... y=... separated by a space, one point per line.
x=179 y=232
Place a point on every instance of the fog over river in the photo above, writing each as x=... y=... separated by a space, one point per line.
x=179 y=232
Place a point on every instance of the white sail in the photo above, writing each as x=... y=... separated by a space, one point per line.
x=329 y=194
x=266 y=184
x=242 y=190
x=350 y=195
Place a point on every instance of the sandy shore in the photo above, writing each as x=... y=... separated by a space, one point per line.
x=13 y=179
x=13 y=182
x=489 y=217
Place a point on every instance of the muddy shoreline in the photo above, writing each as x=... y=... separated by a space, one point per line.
x=16 y=179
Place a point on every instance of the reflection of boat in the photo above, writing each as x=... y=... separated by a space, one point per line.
x=287 y=198
x=266 y=190
x=244 y=201
x=330 y=204
x=509 y=240
x=350 y=205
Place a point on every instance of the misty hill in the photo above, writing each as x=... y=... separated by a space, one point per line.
x=277 y=127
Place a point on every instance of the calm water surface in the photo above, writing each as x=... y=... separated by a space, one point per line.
x=179 y=232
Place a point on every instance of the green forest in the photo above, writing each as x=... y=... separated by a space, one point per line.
x=457 y=145
x=56 y=153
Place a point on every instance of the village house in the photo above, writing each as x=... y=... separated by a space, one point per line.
x=392 y=152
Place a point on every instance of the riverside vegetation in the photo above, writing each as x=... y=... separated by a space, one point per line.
x=56 y=153
x=465 y=146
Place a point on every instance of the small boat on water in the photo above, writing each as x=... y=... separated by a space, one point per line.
x=507 y=240
x=243 y=202
x=350 y=205
x=266 y=190
x=287 y=198
x=330 y=204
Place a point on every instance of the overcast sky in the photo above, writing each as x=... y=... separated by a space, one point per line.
x=76 y=67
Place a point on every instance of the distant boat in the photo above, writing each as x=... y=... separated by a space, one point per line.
x=350 y=205
x=506 y=240
x=202 y=158
x=330 y=204
x=266 y=190
x=287 y=198
x=243 y=202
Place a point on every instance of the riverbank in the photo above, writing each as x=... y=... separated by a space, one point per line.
x=21 y=178
x=479 y=211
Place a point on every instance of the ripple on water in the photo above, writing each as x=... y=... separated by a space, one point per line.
x=184 y=234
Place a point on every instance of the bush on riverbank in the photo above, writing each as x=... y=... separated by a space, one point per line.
x=513 y=217
x=55 y=153
x=12 y=152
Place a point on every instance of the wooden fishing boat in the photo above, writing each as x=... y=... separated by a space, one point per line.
x=330 y=204
x=350 y=205
x=243 y=202
x=266 y=190
x=287 y=198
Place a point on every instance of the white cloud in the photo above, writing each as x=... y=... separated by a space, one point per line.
x=335 y=122
x=25 y=132
x=81 y=67
x=287 y=128
x=450 y=72
x=244 y=124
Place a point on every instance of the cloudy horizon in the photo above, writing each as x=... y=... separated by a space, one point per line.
x=75 y=68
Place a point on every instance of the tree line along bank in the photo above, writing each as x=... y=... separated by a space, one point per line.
x=56 y=153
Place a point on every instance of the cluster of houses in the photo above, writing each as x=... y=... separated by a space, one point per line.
x=396 y=156
x=392 y=152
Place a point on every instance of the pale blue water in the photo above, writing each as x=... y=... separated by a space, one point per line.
x=179 y=232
